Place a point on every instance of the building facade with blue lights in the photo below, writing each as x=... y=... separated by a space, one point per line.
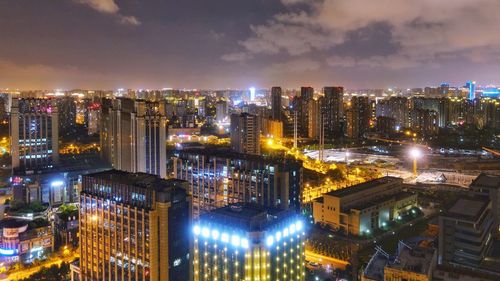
x=247 y=242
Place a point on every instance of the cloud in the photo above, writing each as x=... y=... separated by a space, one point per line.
x=41 y=76
x=236 y=57
x=111 y=8
x=128 y=20
x=293 y=39
x=425 y=31
x=390 y=62
x=293 y=66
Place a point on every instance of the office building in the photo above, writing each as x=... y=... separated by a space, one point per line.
x=360 y=209
x=358 y=117
x=465 y=232
x=218 y=177
x=276 y=103
x=489 y=185
x=471 y=88
x=245 y=133
x=34 y=133
x=133 y=135
x=134 y=226
x=332 y=110
x=244 y=242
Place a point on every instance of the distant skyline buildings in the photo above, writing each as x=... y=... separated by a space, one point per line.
x=133 y=135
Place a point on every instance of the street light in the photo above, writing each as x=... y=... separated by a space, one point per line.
x=415 y=153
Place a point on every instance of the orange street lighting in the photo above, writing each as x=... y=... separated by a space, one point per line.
x=415 y=153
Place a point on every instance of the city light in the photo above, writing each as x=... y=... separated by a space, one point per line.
x=57 y=183
x=415 y=153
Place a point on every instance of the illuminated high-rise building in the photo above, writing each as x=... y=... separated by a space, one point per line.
x=133 y=135
x=245 y=242
x=245 y=133
x=276 y=103
x=313 y=118
x=34 y=133
x=252 y=93
x=221 y=111
x=134 y=226
x=471 y=87
x=332 y=109
x=218 y=177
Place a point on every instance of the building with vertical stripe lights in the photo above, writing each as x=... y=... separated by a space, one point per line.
x=134 y=226
x=246 y=242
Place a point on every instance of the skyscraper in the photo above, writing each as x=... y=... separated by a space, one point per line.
x=332 y=109
x=276 y=103
x=133 y=135
x=245 y=133
x=307 y=93
x=34 y=133
x=133 y=226
x=313 y=118
x=244 y=242
x=358 y=117
x=471 y=87
x=67 y=113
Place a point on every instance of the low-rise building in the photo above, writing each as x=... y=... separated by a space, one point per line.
x=363 y=208
x=23 y=240
x=414 y=264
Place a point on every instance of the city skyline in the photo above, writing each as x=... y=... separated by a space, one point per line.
x=109 y=44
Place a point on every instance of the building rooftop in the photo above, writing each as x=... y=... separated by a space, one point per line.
x=468 y=208
x=13 y=223
x=137 y=179
x=228 y=153
x=377 y=201
x=485 y=180
x=248 y=217
x=363 y=186
x=418 y=260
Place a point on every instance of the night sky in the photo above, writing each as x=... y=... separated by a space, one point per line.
x=109 y=44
